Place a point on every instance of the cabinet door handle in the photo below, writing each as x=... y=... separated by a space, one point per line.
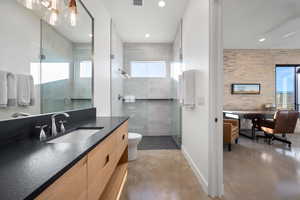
x=123 y=137
x=106 y=160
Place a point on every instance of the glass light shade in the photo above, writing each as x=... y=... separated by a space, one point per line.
x=73 y=17
x=71 y=14
x=52 y=11
x=30 y=4
x=52 y=17
x=46 y=4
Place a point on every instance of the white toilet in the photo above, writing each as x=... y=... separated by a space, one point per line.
x=133 y=141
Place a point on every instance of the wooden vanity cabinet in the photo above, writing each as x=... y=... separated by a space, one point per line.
x=71 y=185
x=101 y=164
x=121 y=139
x=101 y=174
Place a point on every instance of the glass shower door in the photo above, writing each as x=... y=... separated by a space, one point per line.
x=56 y=61
x=176 y=109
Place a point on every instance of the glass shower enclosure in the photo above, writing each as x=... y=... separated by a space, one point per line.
x=66 y=64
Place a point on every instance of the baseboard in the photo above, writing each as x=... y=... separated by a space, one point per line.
x=200 y=177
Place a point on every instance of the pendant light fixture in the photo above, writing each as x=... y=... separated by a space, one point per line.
x=30 y=4
x=46 y=4
x=54 y=12
x=52 y=9
x=72 y=12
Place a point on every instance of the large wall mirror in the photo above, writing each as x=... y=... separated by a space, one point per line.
x=46 y=59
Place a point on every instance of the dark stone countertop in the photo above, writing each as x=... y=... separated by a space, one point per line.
x=30 y=166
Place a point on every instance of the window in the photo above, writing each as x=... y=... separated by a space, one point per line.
x=86 y=69
x=50 y=72
x=285 y=87
x=151 y=69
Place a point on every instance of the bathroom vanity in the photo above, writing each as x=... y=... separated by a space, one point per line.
x=100 y=174
x=93 y=168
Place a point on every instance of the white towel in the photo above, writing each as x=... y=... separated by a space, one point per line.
x=3 y=89
x=180 y=89
x=32 y=97
x=25 y=90
x=189 y=84
x=11 y=90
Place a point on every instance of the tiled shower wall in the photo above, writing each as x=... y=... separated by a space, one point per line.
x=149 y=117
x=151 y=114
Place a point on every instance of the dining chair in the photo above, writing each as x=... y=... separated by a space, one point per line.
x=284 y=123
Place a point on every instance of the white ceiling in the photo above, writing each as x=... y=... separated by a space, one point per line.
x=247 y=21
x=133 y=22
x=81 y=32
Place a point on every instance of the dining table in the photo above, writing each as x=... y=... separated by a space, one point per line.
x=253 y=115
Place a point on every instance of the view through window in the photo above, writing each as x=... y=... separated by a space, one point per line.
x=148 y=69
x=85 y=69
x=286 y=87
x=50 y=72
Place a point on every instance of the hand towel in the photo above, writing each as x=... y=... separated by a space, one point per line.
x=11 y=90
x=32 y=97
x=180 y=89
x=24 y=90
x=3 y=89
x=189 y=84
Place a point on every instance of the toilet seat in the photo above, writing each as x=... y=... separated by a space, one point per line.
x=133 y=141
x=134 y=136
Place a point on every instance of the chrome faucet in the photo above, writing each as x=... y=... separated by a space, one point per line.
x=54 y=128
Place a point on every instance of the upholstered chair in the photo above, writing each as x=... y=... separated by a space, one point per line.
x=231 y=132
x=284 y=123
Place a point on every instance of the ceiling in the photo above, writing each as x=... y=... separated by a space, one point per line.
x=246 y=22
x=134 y=22
x=81 y=33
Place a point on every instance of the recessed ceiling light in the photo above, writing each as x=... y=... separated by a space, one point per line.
x=289 y=34
x=262 y=39
x=90 y=35
x=147 y=35
x=161 y=3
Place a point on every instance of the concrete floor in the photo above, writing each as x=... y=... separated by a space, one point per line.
x=161 y=175
x=258 y=171
x=252 y=171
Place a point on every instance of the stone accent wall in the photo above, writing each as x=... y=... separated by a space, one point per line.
x=254 y=66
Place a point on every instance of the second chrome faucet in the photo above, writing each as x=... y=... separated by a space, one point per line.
x=54 y=131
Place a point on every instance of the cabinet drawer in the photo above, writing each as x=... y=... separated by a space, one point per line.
x=101 y=164
x=71 y=185
x=122 y=138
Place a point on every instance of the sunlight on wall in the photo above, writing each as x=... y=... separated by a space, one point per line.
x=176 y=70
x=49 y=72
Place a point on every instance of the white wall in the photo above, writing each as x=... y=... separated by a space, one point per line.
x=195 y=123
x=101 y=57
x=19 y=46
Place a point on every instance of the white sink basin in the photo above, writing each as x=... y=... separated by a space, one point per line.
x=77 y=136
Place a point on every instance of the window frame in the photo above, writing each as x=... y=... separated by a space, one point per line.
x=150 y=61
x=294 y=66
